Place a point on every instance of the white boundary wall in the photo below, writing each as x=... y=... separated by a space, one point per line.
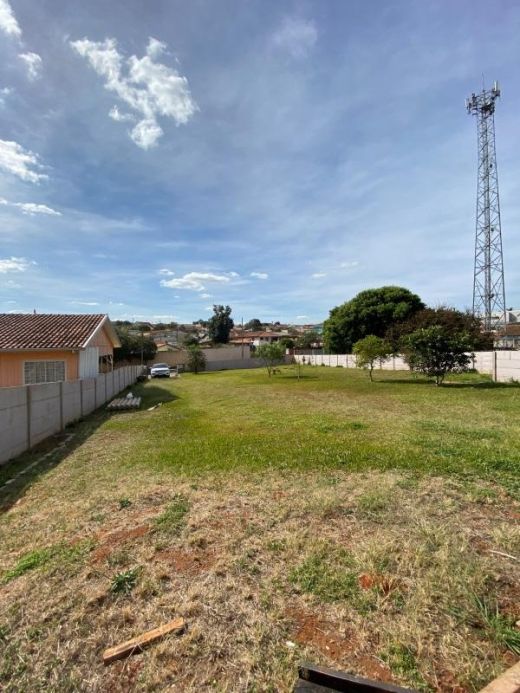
x=503 y=366
x=31 y=413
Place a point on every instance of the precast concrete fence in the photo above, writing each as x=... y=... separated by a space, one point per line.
x=502 y=366
x=31 y=413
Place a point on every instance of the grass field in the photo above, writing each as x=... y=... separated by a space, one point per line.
x=369 y=527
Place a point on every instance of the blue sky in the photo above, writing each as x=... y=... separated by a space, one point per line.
x=159 y=157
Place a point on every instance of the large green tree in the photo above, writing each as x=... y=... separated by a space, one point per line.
x=453 y=320
x=372 y=311
x=255 y=325
x=220 y=324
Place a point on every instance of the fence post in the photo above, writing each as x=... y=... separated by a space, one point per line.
x=495 y=374
x=95 y=393
x=81 y=396
x=61 y=404
x=29 y=414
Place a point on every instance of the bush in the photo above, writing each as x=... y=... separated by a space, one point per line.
x=436 y=351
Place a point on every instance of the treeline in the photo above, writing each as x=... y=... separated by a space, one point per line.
x=393 y=313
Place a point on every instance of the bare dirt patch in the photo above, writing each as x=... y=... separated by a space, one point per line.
x=187 y=563
x=344 y=648
x=112 y=540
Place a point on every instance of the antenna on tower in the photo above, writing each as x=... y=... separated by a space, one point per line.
x=489 y=300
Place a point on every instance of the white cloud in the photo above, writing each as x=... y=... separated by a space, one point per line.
x=15 y=264
x=119 y=117
x=166 y=272
x=302 y=317
x=205 y=295
x=10 y=284
x=193 y=281
x=8 y=23
x=318 y=275
x=260 y=275
x=6 y=91
x=33 y=63
x=155 y=48
x=85 y=303
x=19 y=161
x=31 y=208
x=150 y=88
x=355 y=263
x=296 y=36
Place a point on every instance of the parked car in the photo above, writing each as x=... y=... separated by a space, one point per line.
x=160 y=370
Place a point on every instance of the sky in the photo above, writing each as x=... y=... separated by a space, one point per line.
x=160 y=157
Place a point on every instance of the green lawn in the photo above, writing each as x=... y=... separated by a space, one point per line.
x=371 y=527
x=331 y=417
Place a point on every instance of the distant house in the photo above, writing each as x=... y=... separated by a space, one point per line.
x=51 y=348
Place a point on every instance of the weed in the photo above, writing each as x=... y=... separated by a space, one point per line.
x=277 y=545
x=374 y=502
x=124 y=503
x=58 y=556
x=502 y=629
x=124 y=583
x=119 y=558
x=402 y=661
x=328 y=574
x=173 y=519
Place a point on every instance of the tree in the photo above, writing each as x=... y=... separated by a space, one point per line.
x=369 y=350
x=373 y=311
x=452 y=319
x=196 y=358
x=271 y=355
x=436 y=351
x=308 y=339
x=288 y=342
x=254 y=325
x=220 y=325
x=191 y=340
x=132 y=345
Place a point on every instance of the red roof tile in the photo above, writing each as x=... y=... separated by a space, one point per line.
x=46 y=331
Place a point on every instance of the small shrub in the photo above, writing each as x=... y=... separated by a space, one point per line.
x=124 y=583
x=124 y=503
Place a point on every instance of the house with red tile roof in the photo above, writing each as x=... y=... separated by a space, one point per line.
x=47 y=348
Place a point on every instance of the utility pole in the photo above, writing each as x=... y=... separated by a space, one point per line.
x=489 y=300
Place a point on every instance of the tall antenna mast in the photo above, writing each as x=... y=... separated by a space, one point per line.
x=489 y=300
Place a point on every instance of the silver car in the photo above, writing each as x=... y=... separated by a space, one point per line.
x=160 y=370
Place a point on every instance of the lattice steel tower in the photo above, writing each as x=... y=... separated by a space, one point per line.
x=489 y=301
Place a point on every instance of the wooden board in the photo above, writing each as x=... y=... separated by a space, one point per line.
x=139 y=643
x=319 y=679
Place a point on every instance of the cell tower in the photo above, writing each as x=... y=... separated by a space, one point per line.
x=489 y=300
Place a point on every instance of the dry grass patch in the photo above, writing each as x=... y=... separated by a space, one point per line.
x=265 y=576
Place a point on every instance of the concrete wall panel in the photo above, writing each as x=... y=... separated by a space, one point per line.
x=29 y=414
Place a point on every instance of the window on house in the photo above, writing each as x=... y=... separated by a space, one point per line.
x=43 y=372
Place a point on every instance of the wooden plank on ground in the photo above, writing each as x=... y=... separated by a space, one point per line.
x=313 y=678
x=509 y=682
x=139 y=643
